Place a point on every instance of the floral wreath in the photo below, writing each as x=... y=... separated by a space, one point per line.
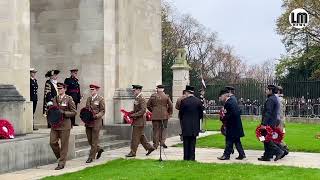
x=126 y=116
x=6 y=129
x=264 y=134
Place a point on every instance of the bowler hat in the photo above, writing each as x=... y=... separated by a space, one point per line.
x=189 y=89
x=223 y=91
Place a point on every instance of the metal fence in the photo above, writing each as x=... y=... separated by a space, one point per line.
x=253 y=91
x=309 y=111
x=302 y=96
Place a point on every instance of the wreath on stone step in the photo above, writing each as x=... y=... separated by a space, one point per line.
x=6 y=129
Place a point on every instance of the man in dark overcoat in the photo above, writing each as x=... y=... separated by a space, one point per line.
x=270 y=118
x=190 y=114
x=233 y=124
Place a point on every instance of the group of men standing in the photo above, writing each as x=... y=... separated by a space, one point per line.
x=66 y=96
x=51 y=90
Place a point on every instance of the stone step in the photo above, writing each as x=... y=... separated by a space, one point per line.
x=84 y=151
x=84 y=135
x=102 y=138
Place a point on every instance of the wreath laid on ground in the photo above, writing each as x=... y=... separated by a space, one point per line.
x=264 y=133
x=6 y=129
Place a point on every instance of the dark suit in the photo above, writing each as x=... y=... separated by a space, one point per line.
x=234 y=129
x=190 y=114
x=50 y=92
x=270 y=118
x=34 y=93
x=73 y=90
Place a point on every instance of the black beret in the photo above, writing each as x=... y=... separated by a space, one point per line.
x=51 y=73
x=137 y=87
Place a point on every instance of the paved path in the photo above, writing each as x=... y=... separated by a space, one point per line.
x=309 y=160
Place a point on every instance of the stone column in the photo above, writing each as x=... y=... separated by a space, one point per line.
x=15 y=53
x=137 y=50
x=180 y=77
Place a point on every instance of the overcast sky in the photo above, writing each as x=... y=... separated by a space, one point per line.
x=247 y=25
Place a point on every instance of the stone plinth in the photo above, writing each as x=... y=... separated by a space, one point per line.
x=123 y=98
x=12 y=107
x=29 y=151
x=181 y=77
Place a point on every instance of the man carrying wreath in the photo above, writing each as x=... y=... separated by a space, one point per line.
x=96 y=104
x=270 y=118
x=67 y=108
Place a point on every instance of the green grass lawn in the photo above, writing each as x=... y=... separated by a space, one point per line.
x=151 y=169
x=299 y=137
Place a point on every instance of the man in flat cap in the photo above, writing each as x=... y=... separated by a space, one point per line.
x=161 y=107
x=270 y=118
x=233 y=125
x=73 y=90
x=95 y=103
x=62 y=132
x=33 y=91
x=139 y=121
x=50 y=90
x=190 y=114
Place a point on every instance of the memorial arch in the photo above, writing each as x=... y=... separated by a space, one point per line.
x=114 y=43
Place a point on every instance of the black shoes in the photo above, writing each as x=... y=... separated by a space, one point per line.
x=164 y=146
x=240 y=157
x=284 y=154
x=150 y=151
x=130 y=155
x=89 y=160
x=279 y=156
x=59 y=167
x=223 y=158
x=262 y=158
x=99 y=153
